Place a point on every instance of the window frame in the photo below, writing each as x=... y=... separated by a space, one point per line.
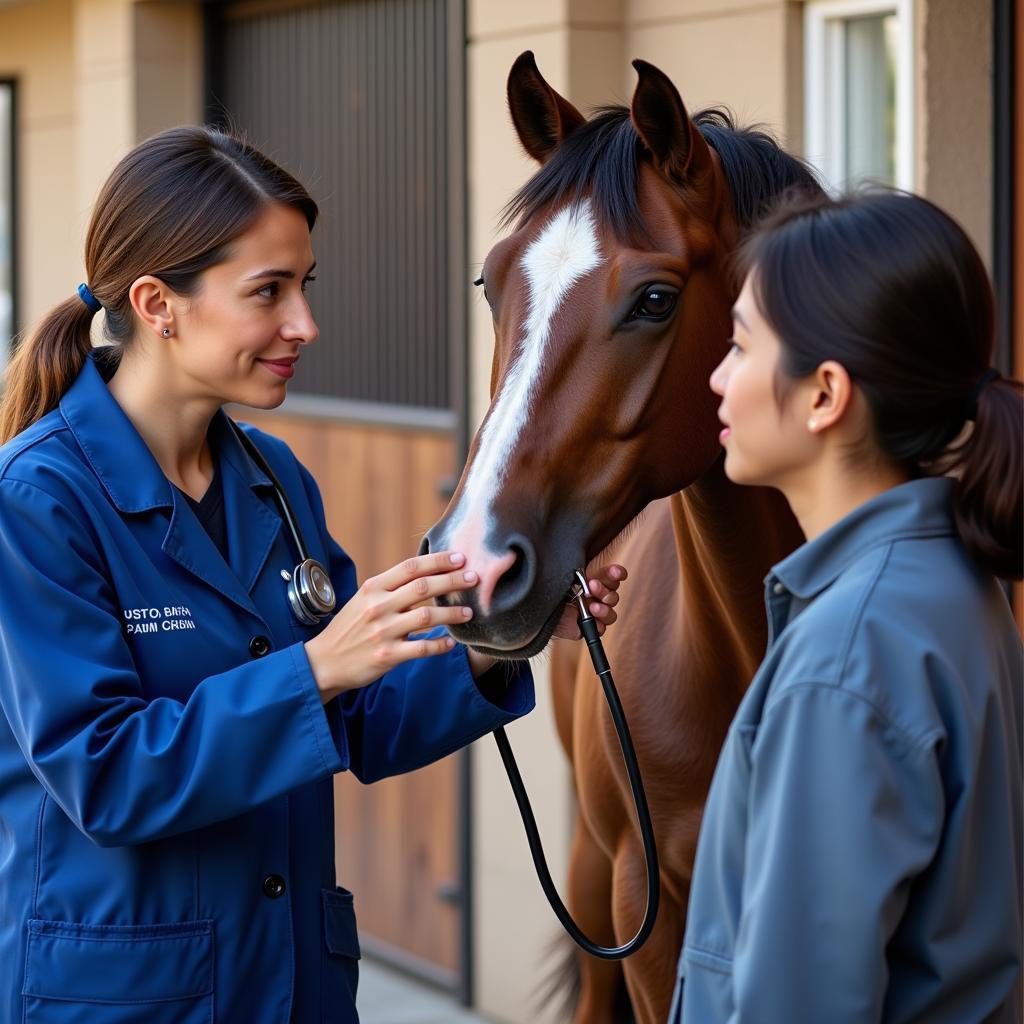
x=825 y=145
x=7 y=344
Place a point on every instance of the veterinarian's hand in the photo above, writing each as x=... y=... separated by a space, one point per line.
x=371 y=633
x=604 y=596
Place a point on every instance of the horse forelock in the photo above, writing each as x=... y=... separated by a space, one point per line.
x=563 y=252
x=600 y=160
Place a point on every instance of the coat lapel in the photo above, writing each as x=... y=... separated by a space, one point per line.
x=252 y=526
x=190 y=546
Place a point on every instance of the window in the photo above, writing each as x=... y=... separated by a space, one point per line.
x=859 y=90
x=7 y=322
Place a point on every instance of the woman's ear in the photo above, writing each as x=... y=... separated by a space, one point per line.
x=830 y=397
x=152 y=301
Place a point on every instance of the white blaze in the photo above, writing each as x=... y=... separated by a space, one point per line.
x=565 y=251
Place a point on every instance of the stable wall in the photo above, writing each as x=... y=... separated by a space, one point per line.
x=93 y=78
x=954 y=112
x=37 y=50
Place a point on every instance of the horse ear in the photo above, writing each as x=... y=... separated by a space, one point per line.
x=665 y=128
x=542 y=117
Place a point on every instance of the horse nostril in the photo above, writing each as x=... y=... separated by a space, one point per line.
x=424 y=545
x=513 y=575
x=516 y=581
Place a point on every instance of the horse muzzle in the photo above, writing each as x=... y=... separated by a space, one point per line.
x=518 y=601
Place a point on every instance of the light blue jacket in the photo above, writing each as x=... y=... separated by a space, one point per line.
x=166 y=807
x=861 y=851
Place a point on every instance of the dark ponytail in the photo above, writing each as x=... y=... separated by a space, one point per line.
x=170 y=208
x=987 y=501
x=891 y=287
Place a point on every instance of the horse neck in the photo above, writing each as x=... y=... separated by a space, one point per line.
x=727 y=538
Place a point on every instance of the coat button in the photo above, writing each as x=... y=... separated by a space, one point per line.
x=779 y=588
x=259 y=646
x=273 y=887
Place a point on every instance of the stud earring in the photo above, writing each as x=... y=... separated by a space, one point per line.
x=812 y=424
x=166 y=332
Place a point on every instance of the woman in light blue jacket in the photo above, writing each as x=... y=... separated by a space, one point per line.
x=861 y=851
x=170 y=727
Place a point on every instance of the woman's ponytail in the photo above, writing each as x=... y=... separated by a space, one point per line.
x=987 y=502
x=44 y=366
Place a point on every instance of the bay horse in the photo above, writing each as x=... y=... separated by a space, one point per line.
x=611 y=301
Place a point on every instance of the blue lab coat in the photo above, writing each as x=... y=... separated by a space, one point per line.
x=166 y=806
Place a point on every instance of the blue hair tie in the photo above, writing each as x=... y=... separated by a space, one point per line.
x=980 y=384
x=89 y=299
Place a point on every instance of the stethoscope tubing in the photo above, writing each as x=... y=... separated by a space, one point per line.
x=311 y=593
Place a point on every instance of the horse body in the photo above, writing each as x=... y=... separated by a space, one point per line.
x=611 y=302
x=688 y=640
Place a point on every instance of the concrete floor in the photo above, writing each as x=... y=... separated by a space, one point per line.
x=387 y=996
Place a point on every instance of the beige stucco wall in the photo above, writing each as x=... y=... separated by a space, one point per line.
x=93 y=77
x=37 y=50
x=726 y=52
x=954 y=107
x=168 y=65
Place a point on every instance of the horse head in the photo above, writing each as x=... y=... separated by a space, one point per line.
x=611 y=303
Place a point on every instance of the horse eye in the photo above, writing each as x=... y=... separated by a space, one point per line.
x=656 y=303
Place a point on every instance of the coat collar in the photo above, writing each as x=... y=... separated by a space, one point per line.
x=120 y=457
x=135 y=482
x=111 y=444
x=920 y=508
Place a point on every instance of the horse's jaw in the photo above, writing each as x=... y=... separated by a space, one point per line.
x=522 y=651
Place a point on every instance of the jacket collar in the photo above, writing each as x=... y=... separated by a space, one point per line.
x=135 y=482
x=120 y=457
x=920 y=508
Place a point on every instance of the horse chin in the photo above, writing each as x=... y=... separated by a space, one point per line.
x=490 y=639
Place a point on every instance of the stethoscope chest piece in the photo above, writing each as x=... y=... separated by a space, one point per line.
x=310 y=592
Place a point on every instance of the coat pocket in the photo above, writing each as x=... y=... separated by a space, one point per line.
x=705 y=989
x=341 y=966
x=119 y=974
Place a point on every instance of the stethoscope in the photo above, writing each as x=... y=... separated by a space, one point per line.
x=310 y=591
x=312 y=598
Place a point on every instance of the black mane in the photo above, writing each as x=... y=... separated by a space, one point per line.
x=601 y=158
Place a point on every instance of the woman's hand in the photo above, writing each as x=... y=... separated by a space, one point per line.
x=604 y=596
x=369 y=636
